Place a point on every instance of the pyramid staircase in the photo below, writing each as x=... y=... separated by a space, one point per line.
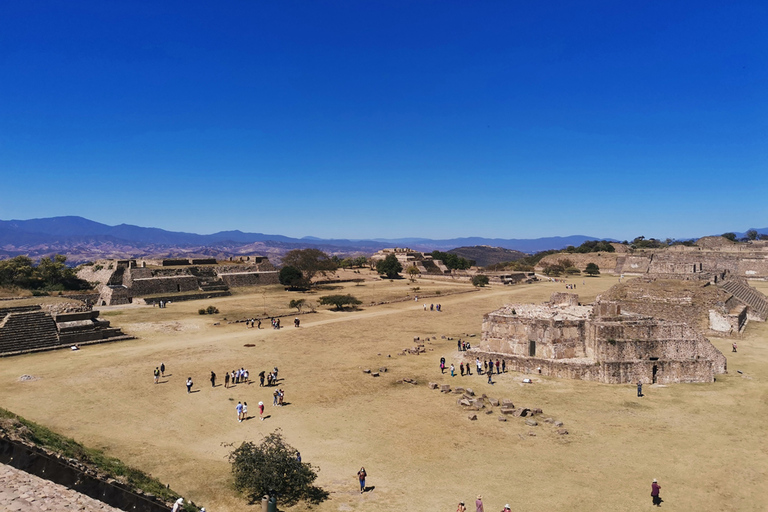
x=756 y=302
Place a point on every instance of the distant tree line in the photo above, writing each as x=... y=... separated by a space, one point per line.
x=51 y=274
x=591 y=246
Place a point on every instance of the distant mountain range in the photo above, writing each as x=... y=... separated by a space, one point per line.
x=85 y=240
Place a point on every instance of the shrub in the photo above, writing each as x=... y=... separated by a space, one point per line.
x=480 y=280
x=272 y=467
x=212 y=310
x=201 y=311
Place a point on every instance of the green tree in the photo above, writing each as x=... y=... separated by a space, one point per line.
x=553 y=269
x=311 y=262
x=729 y=236
x=297 y=303
x=592 y=269
x=389 y=266
x=480 y=280
x=272 y=467
x=339 y=301
x=452 y=261
x=752 y=234
x=293 y=278
x=412 y=272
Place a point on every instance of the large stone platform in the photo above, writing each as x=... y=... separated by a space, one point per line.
x=599 y=342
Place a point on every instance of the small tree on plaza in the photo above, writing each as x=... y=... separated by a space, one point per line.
x=480 y=280
x=339 y=301
x=272 y=468
x=412 y=272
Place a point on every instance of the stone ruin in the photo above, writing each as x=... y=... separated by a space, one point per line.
x=598 y=342
x=710 y=309
x=410 y=258
x=26 y=329
x=120 y=281
x=709 y=259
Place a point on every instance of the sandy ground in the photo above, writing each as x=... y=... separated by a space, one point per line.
x=705 y=443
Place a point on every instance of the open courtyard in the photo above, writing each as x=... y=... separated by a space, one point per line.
x=705 y=443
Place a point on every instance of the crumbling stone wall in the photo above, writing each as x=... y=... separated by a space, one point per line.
x=601 y=343
x=238 y=279
x=168 y=284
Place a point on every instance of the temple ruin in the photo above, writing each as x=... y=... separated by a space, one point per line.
x=26 y=329
x=120 y=281
x=599 y=342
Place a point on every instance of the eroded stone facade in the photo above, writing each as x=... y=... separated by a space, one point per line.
x=598 y=342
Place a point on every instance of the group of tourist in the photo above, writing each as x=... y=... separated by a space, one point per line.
x=241 y=376
x=251 y=322
x=463 y=346
x=479 y=507
x=570 y=286
x=235 y=377
x=433 y=307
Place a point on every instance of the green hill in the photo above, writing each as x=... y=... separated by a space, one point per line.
x=485 y=255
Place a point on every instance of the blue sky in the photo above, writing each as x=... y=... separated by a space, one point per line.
x=510 y=119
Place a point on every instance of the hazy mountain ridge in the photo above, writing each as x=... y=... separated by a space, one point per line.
x=85 y=240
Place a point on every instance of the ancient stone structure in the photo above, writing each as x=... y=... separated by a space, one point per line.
x=410 y=258
x=709 y=309
x=598 y=342
x=119 y=281
x=30 y=329
x=709 y=258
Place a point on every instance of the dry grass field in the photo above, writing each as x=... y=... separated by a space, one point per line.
x=706 y=443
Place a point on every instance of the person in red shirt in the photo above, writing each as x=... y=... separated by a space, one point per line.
x=655 y=488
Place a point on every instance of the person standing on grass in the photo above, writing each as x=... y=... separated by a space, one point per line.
x=239 y=410
x=189 y=384
x=734 y=346
x=504 y=366
x=213 y=379
x=461 y=369
x=479 y=504
x=162 y=369
x=261 y=410
x=453 y=370
x=490 y=377
x=655 y=491
x=245 y=410
x=361 y=476
x=261 y=378
x=226 y=380
x=498 y=365
x=639 y=388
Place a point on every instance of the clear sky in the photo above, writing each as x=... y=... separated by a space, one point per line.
x=364 y=119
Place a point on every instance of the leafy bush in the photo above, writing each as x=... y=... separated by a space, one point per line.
x=272 y=468
x=201 y=312
x=212 y=310
x=480 y=280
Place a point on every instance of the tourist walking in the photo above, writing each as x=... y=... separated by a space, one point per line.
x=361 y=476
x=442 y=365
x=506 y=508
x=479 y=504
x=177 y=507
x=461 y=369
x=213 y=379
x=245 y=410
x=261 y=378
x=261 y=410
x=453 y=370
x=162 y=369
x=504 y=366
x=189 y=384
x=490 y=377
x=639 y=388
x=157 y=374
x=226 y=380
x=655 y=490
x=239 y=410
x=734 y=346
x=461 y=507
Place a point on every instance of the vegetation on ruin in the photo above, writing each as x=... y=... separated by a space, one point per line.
x=310 y=262
x=273 y=468
x=591 y=246
x=339 y=301
x=13 y=426
x=480 y=280
x=452 y=261
x=51 y=274
x=412 y=272
x=526 y=264
x=389 y=266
